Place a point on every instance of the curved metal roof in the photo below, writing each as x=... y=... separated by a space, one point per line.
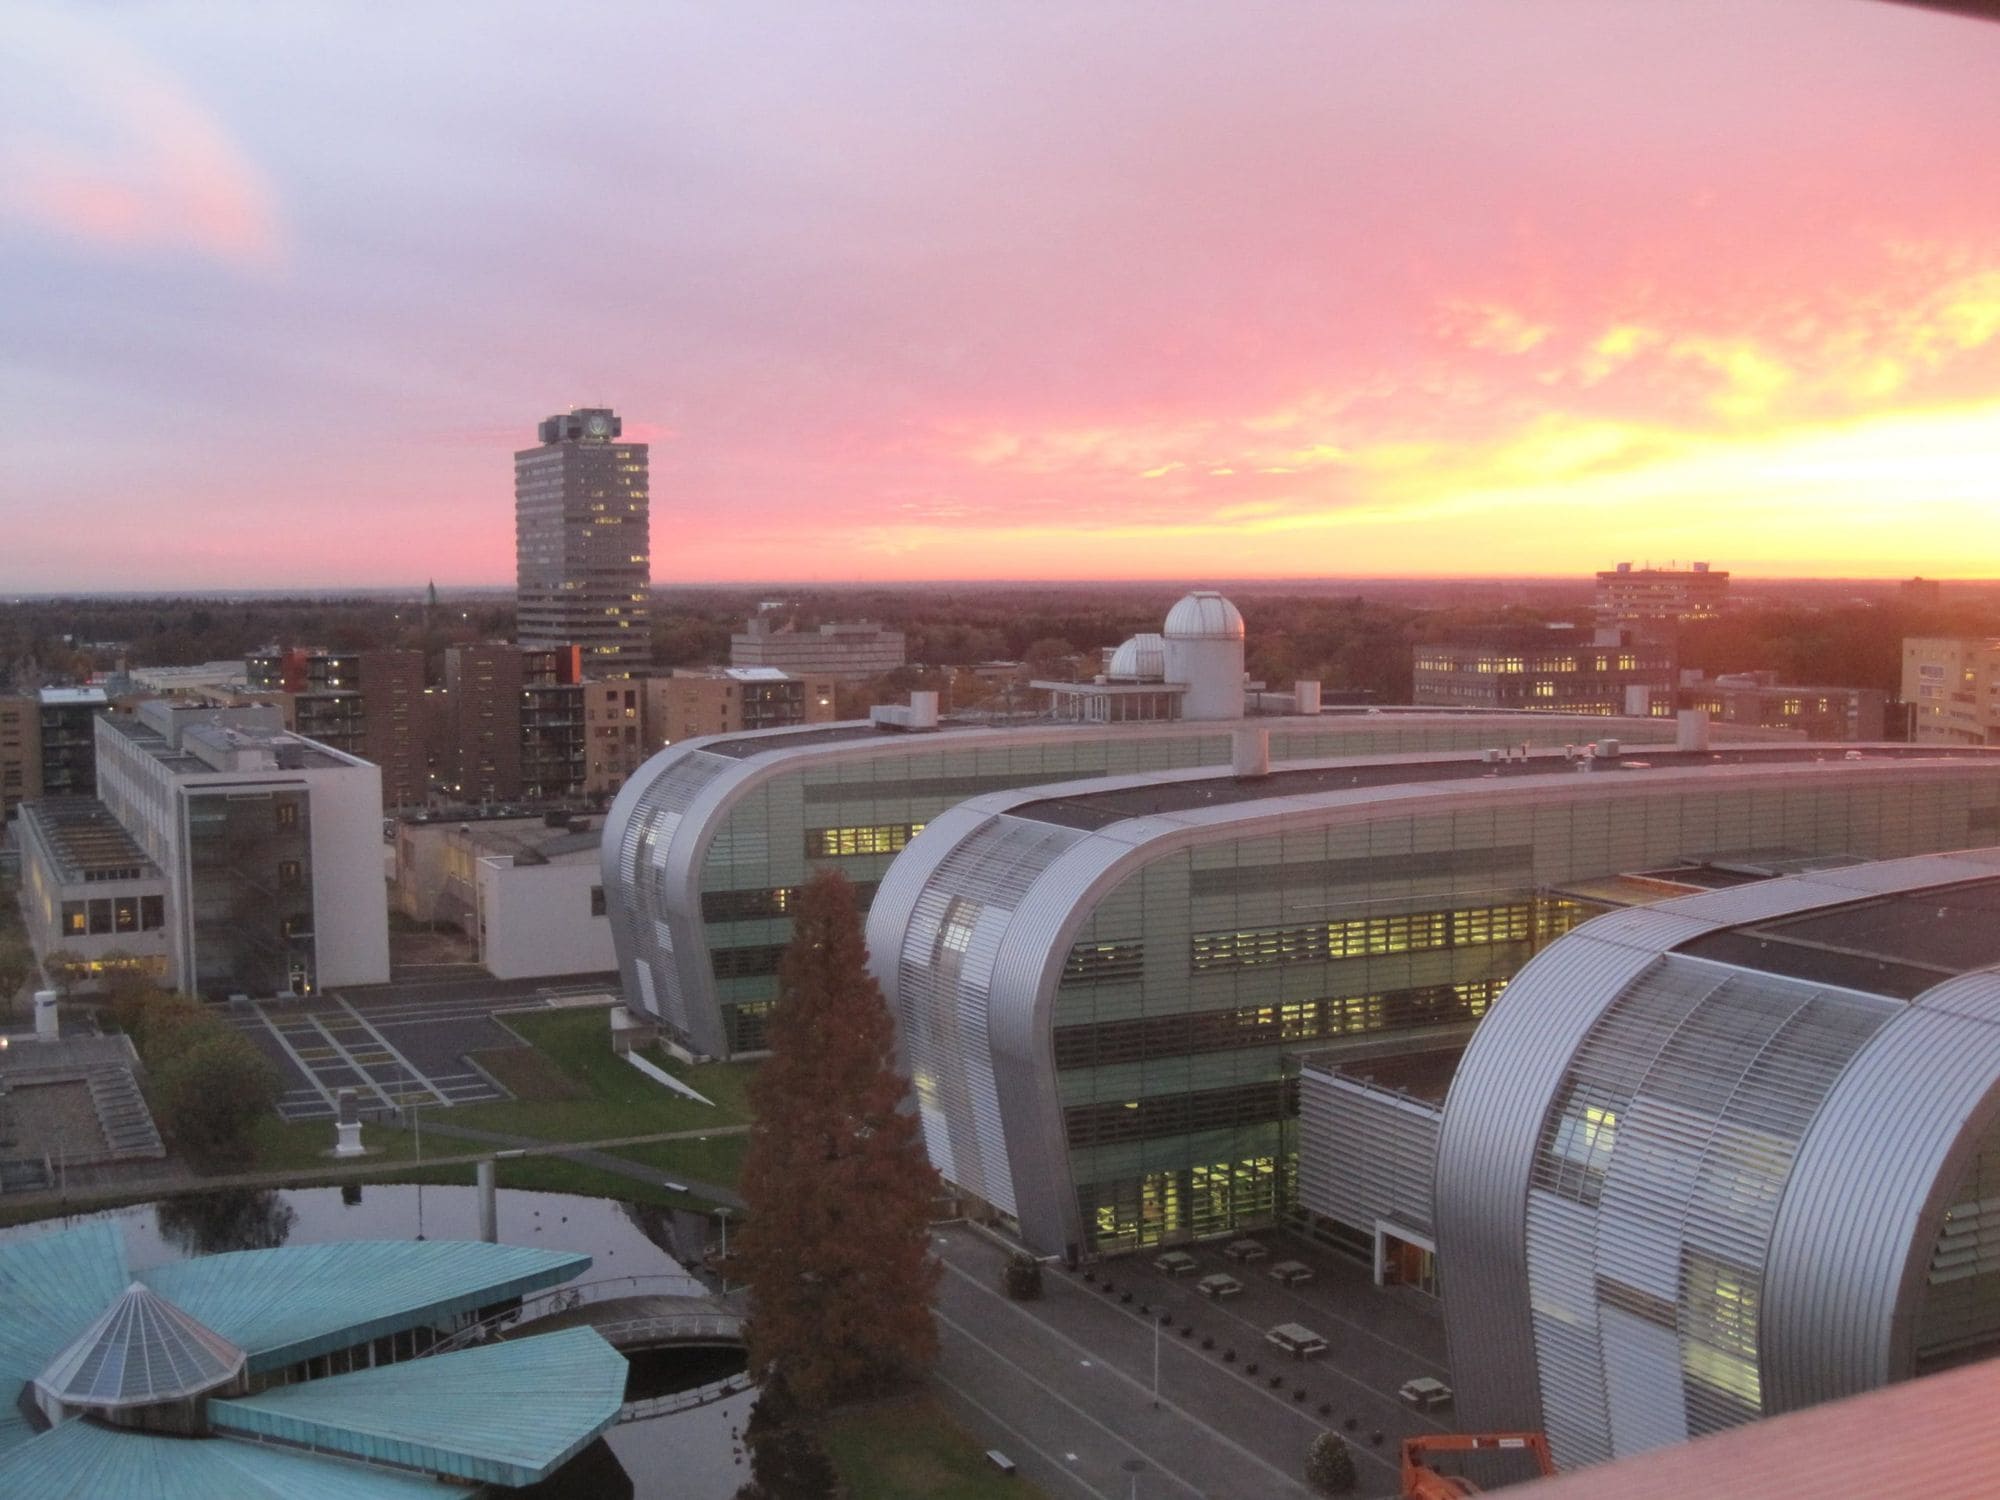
x=508 y=1413
x=1024 y=940
x=1806 y=1139
x=292 y=1303
x=84 y=1461
x=662 y=823
x=141 y=1350
x=1143 y=658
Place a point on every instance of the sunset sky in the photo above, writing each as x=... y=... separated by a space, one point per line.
x=991 y=289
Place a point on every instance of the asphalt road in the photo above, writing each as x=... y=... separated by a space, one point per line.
x=1064 y=1385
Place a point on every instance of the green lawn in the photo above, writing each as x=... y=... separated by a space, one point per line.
x=617 y=1099
x=611 y=1099
x=912 y=1450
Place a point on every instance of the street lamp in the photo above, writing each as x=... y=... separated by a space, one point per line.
x=1135 y=1467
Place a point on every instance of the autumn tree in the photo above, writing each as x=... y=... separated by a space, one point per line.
x=836 y=1184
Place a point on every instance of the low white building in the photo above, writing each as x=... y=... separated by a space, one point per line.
x=541 y=910
x=271 y=846
x=88 y=892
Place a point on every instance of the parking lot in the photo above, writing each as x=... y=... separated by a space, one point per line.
x=1065 y=1384
x=396 y=1045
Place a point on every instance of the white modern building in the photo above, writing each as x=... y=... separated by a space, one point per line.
x=271 y=845
x=710 y=841
x=1103 y=990
x=540 y=907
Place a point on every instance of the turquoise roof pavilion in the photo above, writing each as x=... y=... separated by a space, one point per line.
x=292 y=1368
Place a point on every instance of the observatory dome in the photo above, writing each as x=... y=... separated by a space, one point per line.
x=1143 y=658
x=1204 y=616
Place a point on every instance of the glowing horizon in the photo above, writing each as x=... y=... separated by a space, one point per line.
x=1418 y=290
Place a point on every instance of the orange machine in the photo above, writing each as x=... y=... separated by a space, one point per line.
x=1422 y=1482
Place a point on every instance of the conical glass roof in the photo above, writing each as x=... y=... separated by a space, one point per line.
x=141 y=1350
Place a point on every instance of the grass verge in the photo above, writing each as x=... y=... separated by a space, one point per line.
x=913 y=1450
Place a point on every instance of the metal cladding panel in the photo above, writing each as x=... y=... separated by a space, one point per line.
x=945 y=961
x=1869 y=1191
x=648 y=912
x=1642 y=1385
x=1024 y=982
x=1485 y=1159
x=1365 y=1153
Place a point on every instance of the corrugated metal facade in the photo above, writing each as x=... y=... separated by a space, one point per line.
x=1674 y=1195
x=1365 y=1153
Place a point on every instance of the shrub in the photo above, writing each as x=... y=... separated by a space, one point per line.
x=1021 y=1278
x=1329 y=1465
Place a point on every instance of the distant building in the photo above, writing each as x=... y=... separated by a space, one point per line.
x=1556 y=671
x=614 y=733
x=581 y=542
x=271 y=845
x=363 y=703
x=529 y=894
x=20 y=752
x=68 y=739
x=1819 y=713
x=730 y=700
x=1954 y=686
x=1919 y=591
x=516 y=730
x=1646 y=599
x=849 y=651
x=88 y=891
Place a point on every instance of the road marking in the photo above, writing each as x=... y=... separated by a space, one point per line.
x=298 y=1062
x=1249 y=1383
x=386 y=1046
x=1147 y=1391
x=1057 y=1396
x=1020 y=1438
x=362 y=1075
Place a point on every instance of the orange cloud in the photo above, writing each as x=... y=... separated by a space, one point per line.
x=100 y=144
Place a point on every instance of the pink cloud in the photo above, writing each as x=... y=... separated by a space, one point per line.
x=104 y=145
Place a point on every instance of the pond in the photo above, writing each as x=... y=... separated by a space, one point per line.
x=687 y=1456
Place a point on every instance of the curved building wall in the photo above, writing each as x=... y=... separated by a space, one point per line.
x=1154 y=975
x=709 y=841
x=1673 y=1195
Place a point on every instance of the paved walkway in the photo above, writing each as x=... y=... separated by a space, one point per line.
x=157 y=1184
x=589 y=1156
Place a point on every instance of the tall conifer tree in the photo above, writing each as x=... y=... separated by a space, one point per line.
x=838 y=1190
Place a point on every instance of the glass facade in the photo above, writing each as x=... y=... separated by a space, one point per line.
x=250 y=892
x=854 y=813
x=1187 y=986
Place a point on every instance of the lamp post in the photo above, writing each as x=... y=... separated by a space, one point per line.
x=1135 y=1467
x=722 y=1260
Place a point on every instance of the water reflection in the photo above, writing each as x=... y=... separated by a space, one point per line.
x=231 y=1219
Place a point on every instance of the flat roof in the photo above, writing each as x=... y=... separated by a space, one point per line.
x=1898 y=945
x=57 y=697
x=1424 y=1073
x=1220 y=788
x=83 y=839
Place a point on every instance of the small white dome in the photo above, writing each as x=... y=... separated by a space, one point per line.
x=1141 y=659
x=1205 y=616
